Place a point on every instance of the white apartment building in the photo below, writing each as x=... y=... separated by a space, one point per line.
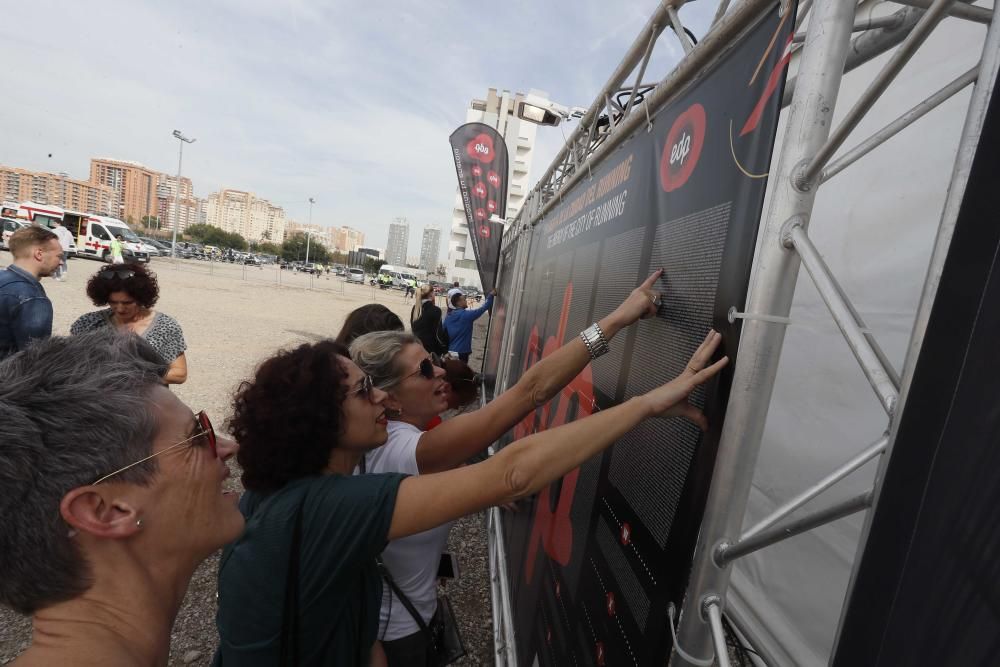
x=499 y=111
x=242 y=212
x=430 y=248
x=348 y=239
x=398 y=242
x=191 y=208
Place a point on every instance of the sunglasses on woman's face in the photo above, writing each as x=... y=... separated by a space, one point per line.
x=204 y=435
x=366 y=388
x=426 y=370
x=121 y=274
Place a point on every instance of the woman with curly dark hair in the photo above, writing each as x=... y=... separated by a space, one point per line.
x=130 y=291
x=366 y=319
x=301 y=586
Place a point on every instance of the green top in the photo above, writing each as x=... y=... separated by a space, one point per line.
x=116 y=248
x=345 y=522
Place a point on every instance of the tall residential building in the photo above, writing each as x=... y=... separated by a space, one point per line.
x=56 y=189
x=498 y=110
x=190 y=207
x=399 y=241
x=242 y=212
x=430 y=248
x=348 y=239
x=325 y=236
x=134 y=185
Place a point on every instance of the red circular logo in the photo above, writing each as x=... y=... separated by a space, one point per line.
x=491 y=206
x=610 y=603
x=599 y=653
x=477 y=171
x=493 y=178
x=479 y=190
x=626 y=533
x=682 y=148
x=481 y=148
x=484 y=231
x=480 y=214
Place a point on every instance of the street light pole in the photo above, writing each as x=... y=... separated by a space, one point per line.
x=309 y=231
x=177 y=190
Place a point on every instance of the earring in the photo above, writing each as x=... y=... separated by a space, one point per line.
x=138 y=523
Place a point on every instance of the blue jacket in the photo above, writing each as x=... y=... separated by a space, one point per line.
x=25 y=311
x=458 y=324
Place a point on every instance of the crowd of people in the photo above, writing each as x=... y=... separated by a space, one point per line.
x=353 y=454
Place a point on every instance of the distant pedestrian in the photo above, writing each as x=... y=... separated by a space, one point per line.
x=116 y=250
x=411 y=287
x=25 y=310
x=65 y=241
x=455 y=289
x=459 y=323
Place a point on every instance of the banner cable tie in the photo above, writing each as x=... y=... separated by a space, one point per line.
x=677 y=647
x=734 y=315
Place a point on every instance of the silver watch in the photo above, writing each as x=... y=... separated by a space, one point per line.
x=593 y=337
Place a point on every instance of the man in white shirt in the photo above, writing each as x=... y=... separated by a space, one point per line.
x=65 y=242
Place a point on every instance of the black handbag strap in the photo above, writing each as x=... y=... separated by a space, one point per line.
x=289 y=647
x=402 y=597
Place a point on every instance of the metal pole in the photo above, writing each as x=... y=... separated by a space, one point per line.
x=826 y=285
x=901 y=56
x=727 y=553
x=897 y=125
x=960 y=10
x=675 y=22
x=177 y=195
x=809 y=117
x=819 y=487
x=718 y=633
x=891 y=21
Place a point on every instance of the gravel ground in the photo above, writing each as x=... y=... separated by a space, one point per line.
x=233 y=318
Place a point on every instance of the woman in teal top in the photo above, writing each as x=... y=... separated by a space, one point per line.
x=300 y=587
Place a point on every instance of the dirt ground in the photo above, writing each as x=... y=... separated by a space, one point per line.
x=233 y=317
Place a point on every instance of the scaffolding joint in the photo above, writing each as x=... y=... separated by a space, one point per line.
x=796 y=221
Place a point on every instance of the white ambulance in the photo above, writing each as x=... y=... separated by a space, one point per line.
x=94 y=234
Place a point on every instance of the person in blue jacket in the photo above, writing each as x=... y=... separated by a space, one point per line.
x=25 y=310
x=459 y=322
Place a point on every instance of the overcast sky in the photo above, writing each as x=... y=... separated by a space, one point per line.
x=350 y=103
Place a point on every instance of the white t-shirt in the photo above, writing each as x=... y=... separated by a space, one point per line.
x=65 y=237
x=413 y=561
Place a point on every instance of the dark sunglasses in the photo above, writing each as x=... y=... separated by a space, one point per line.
x=204 y=435
x=122 y=274
x=367 y=388
x=426 y=370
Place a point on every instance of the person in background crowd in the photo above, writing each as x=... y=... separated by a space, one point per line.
x=301 y=584
x=116 y=250
x=425 y=322
x=25 y=310
x=65 y=242
x=459 y=323
x=368 y=318
x=130 y=291
x=417 y=393
x=455 y=289
x=109 y=503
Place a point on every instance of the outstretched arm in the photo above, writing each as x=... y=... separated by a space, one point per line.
x=526 y=466
x=456 y=440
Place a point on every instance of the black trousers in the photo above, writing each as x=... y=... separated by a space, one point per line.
x=408 y=651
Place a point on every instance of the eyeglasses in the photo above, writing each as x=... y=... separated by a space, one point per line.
x=122 y=274
x=426 y=369
x=367 y=388
x=204 y=435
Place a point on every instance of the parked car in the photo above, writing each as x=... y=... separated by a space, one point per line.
x=9 y=227
x=356 y=276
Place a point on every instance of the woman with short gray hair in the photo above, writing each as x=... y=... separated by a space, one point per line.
x=111 y=493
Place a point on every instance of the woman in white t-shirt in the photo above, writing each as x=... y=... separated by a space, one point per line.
x=417 y=393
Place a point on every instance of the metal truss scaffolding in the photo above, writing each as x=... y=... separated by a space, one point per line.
x=834 y=42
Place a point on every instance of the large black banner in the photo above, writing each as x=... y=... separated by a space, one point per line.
x=481 y=165
x=596 y=558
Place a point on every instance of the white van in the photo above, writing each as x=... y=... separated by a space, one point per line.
x=94 y=239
